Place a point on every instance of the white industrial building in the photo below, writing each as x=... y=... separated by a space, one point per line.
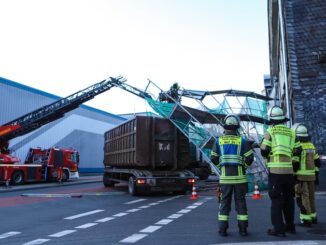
x=81 y=129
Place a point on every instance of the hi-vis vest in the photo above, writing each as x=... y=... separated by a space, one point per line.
x=230 y=149
x=282 y=144
x=307 y=159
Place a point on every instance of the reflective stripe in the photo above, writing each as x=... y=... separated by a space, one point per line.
x=296 y=159
x=233 y=181
x=214 y=154
x=305 y=217
x=279 y=164
x=313 y=215
x=242 y=217
x=306 y=172
x=267 y=142
x=248 y=153
x=223 y=217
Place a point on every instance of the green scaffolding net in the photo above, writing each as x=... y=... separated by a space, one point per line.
x=200 y=135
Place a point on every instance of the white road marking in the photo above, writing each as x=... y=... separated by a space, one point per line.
x=192 y=207
x=133 y=210
x=151 y=228
x=105 y=219
x=135 y=201
x=198 y=203
x=85 y=226
x=9 y=234
x=120 y=214
x=175 y=216
x=62 y=233
x=146 y=206
x=275 y=243
x=37 y=241
x=84 y=214
x=164 y=222
x=158 y=225
x=153 y=204
x=134 y=238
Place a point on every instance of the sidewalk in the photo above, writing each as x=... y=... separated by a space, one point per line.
x=32 y=186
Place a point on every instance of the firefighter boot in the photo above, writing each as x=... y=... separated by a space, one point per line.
x=223 y=228
x=222 y=232
x=243 y=229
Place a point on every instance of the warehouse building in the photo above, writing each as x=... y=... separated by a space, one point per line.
x=81 y=129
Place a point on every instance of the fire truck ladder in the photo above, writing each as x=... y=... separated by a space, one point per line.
x=57 y=109
x=187 y=123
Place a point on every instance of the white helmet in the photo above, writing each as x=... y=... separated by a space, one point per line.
x=231 y=122
x=300 y=130
x=276 y=114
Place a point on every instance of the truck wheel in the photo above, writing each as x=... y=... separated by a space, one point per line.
x=107 y=182
x=132 y=186
x=65 y=175
x=17 y=178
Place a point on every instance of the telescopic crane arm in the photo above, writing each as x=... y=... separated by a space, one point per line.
x=46 y=114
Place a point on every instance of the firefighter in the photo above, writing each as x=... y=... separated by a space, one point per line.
x=306 y=173
x=278 y=147
x=58 y=163
x=232 y=154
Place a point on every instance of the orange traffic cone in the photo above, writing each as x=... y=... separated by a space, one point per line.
x=256 y=194
x=194 y=195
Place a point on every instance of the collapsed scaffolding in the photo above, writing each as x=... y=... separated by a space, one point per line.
x=203 y=125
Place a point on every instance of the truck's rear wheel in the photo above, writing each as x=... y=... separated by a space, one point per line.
x=17 y=178
x=132 y=186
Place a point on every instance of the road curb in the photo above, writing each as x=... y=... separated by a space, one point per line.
x=47 y=185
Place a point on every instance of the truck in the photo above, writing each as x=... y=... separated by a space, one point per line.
x=39 y=166
x=149 y=154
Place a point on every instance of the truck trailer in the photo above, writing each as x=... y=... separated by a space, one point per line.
x=148 y=153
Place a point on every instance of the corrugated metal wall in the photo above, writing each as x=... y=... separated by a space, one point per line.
x=82 y=129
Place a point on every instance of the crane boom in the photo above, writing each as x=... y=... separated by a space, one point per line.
x=46 y=114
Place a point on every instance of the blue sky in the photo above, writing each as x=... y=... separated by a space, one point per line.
x=62 y=46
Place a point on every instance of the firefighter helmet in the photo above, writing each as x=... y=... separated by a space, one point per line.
x=300 y=130
x=231 y=122
x=276 y=114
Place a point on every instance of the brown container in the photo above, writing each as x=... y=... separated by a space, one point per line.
x=146 y=143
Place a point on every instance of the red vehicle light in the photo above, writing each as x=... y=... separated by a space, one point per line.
x=191 y=181
x=141 y=181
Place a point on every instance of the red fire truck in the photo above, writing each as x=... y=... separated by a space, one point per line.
x=40 y=165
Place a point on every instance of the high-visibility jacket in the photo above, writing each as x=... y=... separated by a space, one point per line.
x=280 y=142
x=307 y=167
x=232 y=152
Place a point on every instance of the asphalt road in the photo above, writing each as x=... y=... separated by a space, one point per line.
x=92 y=214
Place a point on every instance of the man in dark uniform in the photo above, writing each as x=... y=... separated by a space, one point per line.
x=232 y=154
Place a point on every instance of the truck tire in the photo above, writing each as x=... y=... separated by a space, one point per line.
x=65 y=175
x=107 y=182
x=17 y=178
x=132 y=186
